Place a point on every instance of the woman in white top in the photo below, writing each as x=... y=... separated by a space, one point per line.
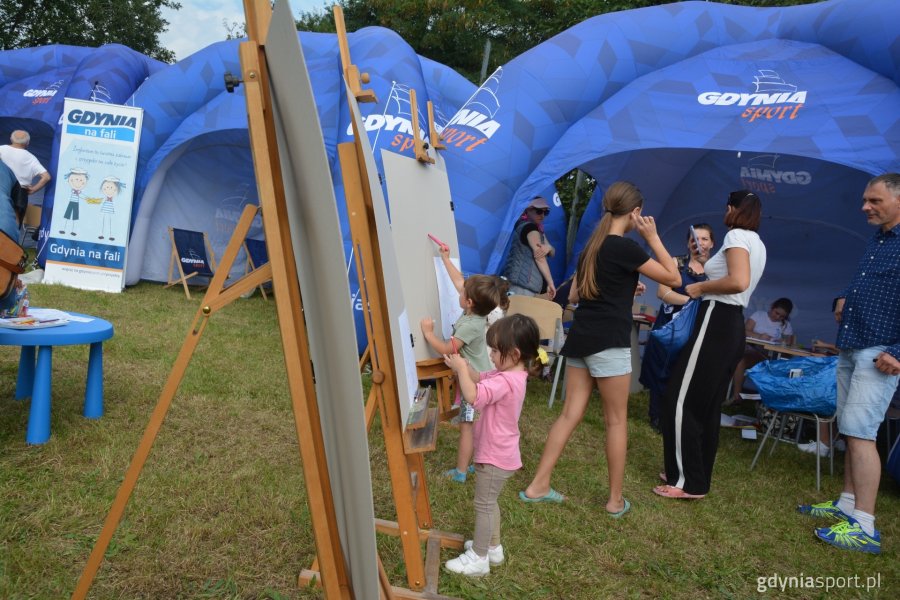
x=772 y=326
x=700 y=379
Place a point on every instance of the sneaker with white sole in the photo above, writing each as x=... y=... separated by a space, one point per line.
x=495 y=554
x=469 y=563
x=814 y=447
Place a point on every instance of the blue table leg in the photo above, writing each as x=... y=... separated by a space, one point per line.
x=39 y=415
x=25 y=380
x=93 y=393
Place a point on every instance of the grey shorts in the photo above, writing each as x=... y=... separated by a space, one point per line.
x=611 y=362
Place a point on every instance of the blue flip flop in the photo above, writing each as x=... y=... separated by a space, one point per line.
x=551 y=496
x=621 y=513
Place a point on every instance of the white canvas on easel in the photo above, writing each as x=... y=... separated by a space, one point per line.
x=420 y=203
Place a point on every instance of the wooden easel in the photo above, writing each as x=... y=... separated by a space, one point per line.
x=406 y=465
x=332 y=570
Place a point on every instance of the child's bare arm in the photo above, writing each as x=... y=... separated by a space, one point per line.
x=455 y=275
x=439 y=345
x=466 y=385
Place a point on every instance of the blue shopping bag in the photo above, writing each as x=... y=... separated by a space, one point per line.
x=675 y=334
x=814 y=391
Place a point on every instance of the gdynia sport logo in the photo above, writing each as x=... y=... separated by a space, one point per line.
x=474 y=123
x=773 y=98
x=762 y=175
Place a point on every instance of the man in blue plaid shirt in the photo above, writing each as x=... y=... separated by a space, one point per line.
x=868 y=316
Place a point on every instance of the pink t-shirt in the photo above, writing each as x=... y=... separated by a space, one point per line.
x=499 y=397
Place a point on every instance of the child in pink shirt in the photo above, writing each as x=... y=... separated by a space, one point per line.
x=498 y=396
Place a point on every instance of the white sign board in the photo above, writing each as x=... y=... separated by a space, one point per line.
x=88 y=237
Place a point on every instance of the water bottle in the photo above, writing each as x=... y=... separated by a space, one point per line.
x=25 y=301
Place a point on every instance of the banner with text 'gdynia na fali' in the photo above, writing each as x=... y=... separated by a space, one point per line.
x=94 y=185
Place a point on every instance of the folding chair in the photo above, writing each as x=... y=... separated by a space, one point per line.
x=257 y=256
x=548 y=316
x=31 y=222
x=192 y=256
x=812 y=396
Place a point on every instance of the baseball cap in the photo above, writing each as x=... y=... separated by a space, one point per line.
x=538 y=202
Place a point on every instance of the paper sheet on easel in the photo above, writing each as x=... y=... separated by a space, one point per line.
x=448 y=296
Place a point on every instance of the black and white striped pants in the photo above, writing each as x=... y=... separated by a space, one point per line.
x=693 y=399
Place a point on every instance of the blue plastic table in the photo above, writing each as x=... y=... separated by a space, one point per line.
x=35 y=381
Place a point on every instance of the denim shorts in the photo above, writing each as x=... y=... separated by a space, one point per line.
x=863 y=393
x=611 y=362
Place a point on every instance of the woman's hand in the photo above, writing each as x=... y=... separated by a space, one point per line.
x=541 y=250
x=694 y=290
x=645 y=226
x=640 y=289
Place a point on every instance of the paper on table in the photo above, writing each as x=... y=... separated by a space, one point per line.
x=45 y=314
x=30 y=323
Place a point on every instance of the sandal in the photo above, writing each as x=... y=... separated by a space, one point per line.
x=619 y=514
x=551 y=496
x=670 y=491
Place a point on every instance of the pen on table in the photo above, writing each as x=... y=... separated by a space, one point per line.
x=49 y=321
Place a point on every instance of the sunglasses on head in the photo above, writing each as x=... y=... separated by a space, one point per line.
x=541 y=211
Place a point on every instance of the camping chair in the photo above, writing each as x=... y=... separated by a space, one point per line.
x=192 y=255
x=31 y=222
x=548 y=316
x=257 y=256
x=812 y=395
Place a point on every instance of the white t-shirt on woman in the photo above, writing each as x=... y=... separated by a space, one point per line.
x=717 y=267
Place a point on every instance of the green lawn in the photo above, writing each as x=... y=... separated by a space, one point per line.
x=220 y=509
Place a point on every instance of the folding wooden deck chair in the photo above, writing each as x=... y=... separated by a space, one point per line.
x=192 y=256
x=548 y=316
x=257 y=256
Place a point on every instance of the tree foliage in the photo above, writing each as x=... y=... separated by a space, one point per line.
x=133 y=23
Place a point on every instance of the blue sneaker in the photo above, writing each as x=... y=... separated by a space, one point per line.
x=823 y=509
x=456 y=475
x=848 y=535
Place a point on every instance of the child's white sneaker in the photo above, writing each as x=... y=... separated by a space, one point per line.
x=469 y=563
x=495 y=554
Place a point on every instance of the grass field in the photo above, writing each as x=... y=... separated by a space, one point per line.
x=220 y=509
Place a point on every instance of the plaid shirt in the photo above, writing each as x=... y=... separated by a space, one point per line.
x=871 y=315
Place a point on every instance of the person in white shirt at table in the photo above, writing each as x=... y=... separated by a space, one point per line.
x=772 y=326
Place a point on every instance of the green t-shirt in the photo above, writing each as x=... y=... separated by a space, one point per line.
x=470 y=329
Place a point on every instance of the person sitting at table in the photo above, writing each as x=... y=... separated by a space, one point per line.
x=770 y=326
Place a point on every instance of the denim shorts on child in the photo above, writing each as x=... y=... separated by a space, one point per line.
x=608 y=363
x=864 y=393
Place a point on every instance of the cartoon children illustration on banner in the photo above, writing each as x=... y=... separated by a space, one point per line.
x=77 y=180
x=110 y=186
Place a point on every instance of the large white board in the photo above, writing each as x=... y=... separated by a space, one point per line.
x=419 y=196
x=318 y=251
